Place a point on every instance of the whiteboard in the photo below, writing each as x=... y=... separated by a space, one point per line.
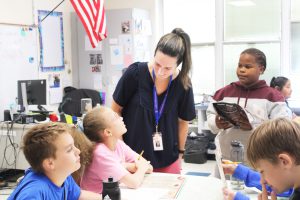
x=18 y=61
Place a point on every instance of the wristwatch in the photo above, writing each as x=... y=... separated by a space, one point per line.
x=181 y=151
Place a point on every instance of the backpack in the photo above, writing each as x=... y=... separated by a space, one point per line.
x=196 y=148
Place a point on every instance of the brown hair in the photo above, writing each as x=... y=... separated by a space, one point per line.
x=95 y=122
x=273 y=137
x=86 y=148
x=38 y=143
x=178 y=44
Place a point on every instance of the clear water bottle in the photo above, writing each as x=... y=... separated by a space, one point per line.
x=111 y=190
x=237 y=155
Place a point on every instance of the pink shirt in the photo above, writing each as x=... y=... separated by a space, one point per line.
x=107 y=163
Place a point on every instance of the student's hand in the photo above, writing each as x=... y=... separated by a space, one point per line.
x=245 y=125
x=264 y=194
x=228 y=194
x=142 y=164
x=221 y=123
x=228 y=168
x=150 y=169
x=131 y=167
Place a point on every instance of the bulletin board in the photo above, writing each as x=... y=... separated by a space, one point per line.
x=18 y=60
x=51 y=41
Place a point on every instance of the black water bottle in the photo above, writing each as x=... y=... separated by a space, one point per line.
x=111 y=190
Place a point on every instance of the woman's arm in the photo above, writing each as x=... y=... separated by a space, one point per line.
x=116 y=107
x=183 y=127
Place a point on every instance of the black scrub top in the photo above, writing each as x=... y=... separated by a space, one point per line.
x=134 y=92
x=295 y=195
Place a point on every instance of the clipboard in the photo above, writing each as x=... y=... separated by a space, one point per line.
x=233 y=113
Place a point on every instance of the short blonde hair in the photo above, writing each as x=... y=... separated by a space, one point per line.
x=273 y=137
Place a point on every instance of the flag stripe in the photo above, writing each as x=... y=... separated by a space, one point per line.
x=99 y=14
x=89 y=29
x=86 y=7
x=92 y=16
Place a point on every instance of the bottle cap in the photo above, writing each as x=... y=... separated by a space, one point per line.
x=110 y=183
x=236 y=143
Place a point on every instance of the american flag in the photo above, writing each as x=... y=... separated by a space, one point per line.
x=92 y=16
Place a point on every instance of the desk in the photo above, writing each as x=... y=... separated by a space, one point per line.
x=194 y=188
x=11 y=156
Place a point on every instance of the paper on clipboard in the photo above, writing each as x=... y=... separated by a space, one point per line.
x=218 y=155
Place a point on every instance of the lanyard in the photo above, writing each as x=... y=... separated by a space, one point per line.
x=158 y=112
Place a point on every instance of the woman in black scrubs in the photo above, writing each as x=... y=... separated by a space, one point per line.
x=156 y=102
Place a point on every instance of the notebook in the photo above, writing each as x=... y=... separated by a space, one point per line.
x=234 y=114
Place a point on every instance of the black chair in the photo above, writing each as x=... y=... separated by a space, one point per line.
x=71 y=102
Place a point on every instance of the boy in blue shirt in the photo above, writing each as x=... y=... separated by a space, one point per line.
x=273 y=150
x=251 y=179
x=49 y=149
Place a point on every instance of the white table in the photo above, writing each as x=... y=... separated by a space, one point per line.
x=194 y=188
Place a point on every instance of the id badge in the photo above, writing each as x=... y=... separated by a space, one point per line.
x=157 y=141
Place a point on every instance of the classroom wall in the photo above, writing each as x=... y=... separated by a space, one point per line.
x=21 y=12
x=24 y=12
x=153 y=6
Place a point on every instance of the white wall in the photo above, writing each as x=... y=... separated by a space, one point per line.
x=21 y=12
x=153 y=6
x=24 y=12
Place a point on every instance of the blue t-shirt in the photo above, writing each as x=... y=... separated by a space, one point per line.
x=36 y=186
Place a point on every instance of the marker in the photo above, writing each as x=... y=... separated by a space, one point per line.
x=140 y=155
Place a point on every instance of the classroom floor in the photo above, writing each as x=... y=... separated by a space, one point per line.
x=187 y=168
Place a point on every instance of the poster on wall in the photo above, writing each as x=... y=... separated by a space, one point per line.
x=116 y=55
x=54 y=80
x=55 y=88
x=125 y=26
x=96 y=62
x=51 y=41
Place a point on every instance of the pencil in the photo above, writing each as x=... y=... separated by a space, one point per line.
x=140 y=155
x=229 y=162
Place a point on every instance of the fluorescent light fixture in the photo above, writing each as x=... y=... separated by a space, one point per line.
x=240 y=3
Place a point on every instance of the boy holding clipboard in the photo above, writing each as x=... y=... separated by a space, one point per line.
x=259 y=101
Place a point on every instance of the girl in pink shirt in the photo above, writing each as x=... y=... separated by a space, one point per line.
x=111 y=156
